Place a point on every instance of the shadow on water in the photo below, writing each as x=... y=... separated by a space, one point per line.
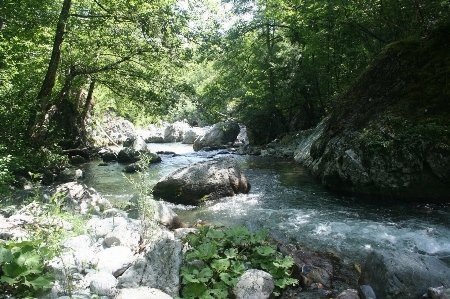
x=296 y=208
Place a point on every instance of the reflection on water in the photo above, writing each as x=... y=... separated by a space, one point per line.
x=285 y=199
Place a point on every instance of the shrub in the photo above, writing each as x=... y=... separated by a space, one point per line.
x=218 y=256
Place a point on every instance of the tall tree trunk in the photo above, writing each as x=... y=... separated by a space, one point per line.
x=45 y=112
x=50 y=77
x=82 y=119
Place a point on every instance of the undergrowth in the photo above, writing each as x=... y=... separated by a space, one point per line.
x=218 y=256
x=23 y=270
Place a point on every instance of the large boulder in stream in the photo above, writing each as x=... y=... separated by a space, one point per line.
x=202 y=181
x=219 y=135
x=389 y=133
x=403 y=275
x=133 y=150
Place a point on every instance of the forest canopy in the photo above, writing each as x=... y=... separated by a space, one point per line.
x=274 y=65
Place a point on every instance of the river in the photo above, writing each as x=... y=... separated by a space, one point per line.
x=295 y=207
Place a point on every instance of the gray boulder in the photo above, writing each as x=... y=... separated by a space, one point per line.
x=153 y=134
x=108 y=155
x=175 y=132
x=137 y=143
x=130 y=155
x=254 y=284
x=372 y=144
x=142 y=293
x=439 y=293
x=80 y=251
x=202 y=181
x=193 y=134
x=219 y=135
x=113 y=131
x=403 y=275
x=116 y=231
x=102 y=283
x=157 y=267
x=115 y=260
x=133 y=149
x=366 y=292
x=166 y=216
x=80 y=198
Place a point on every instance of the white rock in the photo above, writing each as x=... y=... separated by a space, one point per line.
x=102 y=283
x=142 y=293
x=115 y=260
x=254 y=284
x=157 y=267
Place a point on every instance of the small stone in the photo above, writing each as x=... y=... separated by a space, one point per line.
x=366 y=292
x=254 y=284
x=142 y=293
x=348 y=294
x=102 y=283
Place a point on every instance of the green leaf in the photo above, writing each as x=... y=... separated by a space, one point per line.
x=220 y=293
x=238 y=235
x=228 y=279
x=238 y=267
x=265 y=250
x=194 y=290
x=190 y=278
x=215 y=234
x=205 y=275
x=193 y=239
x=5 y=255
x=44 y=282
x=286 y=281
x=220 y=265
x=30 y=259
x=286 y=262
x=260 y=236
x=231 y=253
x=14 y=270
x=8 y=280
x=206 y=251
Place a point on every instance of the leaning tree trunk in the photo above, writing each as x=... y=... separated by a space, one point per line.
x=43 y=115
x=84 y=113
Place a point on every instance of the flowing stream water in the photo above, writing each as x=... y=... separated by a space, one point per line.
x=285 y=199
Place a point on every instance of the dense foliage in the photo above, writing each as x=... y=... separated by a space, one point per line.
x=217 y=257
x=281 y=65
x=22 y=268
x=54 y=55
x=273 y=65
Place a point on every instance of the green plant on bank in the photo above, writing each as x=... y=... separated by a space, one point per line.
x=22 y=270
x=22 y=262
x=145 y=205
x=218 y=256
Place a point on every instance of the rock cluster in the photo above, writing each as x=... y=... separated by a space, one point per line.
x=222 y=133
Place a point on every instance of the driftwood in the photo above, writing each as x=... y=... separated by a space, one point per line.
x=106 y=134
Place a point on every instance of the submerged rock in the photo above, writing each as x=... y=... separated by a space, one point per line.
x=403 y=275
x=202 y=181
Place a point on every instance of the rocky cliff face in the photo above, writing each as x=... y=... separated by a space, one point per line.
x=389 y=134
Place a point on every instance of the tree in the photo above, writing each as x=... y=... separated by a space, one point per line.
x=294 y=57
x=107 y=43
